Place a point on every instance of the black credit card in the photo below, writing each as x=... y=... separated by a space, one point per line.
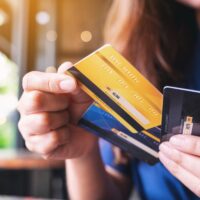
x=181 y=112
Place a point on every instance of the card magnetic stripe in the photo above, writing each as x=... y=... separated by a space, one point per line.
x=100 y=94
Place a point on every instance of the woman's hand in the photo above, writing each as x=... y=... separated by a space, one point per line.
x=181 y=156
x=50 y=108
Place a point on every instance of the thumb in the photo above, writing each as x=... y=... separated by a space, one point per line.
x=78 y=95
x=49 y=82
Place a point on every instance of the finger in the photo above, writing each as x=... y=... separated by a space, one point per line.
x=79 y=96
x=187 y=178
x=189 y=162
x=42 y=122
x=49 y=82
x=64 y=67
x=186 y=143
x=36 y=101
x=46 y=143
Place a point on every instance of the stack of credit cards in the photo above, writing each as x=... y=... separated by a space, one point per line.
x=128 y=108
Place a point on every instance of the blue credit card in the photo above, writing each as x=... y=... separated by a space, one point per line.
x=142 y=145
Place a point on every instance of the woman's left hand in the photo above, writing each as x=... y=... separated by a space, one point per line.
x=181 y=156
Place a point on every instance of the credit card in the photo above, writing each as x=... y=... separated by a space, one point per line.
x=181 y=112
x=104 y=125
x=123 y=93
x=119 y=89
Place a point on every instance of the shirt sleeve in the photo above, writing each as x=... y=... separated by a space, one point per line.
x=108 y=158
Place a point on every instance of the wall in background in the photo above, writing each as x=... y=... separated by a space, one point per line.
x=80 y=27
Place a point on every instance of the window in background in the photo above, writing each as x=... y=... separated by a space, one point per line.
x=42 y=34
x=8 y=101
x=8 y=79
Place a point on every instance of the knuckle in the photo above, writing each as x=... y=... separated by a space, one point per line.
x=39 y=148
x=52 y=86
x=45 y=120
x=179 y=158
x=61 y=136
x=29 y=146
x=22 y=129
x=55 y=138
x=26 y=79
x=35 y=101
x=42 y=150
x=174 y=168
x=21 y=103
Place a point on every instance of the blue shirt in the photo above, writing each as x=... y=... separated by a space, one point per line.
x=156 y=182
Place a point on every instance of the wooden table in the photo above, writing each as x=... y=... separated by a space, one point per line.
x=22 y=159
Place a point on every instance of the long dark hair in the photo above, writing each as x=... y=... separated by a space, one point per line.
x=157 y=36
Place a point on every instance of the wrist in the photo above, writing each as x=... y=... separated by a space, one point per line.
x=91 y=154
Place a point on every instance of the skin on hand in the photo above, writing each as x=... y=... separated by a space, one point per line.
x=181 y=156
x=50 y=107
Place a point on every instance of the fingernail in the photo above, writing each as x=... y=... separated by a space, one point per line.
x=177 y=140
x=67 y=85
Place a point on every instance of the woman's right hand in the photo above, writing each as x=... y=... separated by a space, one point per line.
x=50 y=108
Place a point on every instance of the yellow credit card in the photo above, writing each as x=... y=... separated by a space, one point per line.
x=119 y=88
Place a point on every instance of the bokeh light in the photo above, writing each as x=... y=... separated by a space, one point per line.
x=86 y=36
x=42 y=17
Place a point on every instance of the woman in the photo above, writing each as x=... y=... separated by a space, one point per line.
x=159 y=38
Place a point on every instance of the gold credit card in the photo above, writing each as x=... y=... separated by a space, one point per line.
x=120 y=89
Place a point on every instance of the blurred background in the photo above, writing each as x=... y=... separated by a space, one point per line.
x=39 y=35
